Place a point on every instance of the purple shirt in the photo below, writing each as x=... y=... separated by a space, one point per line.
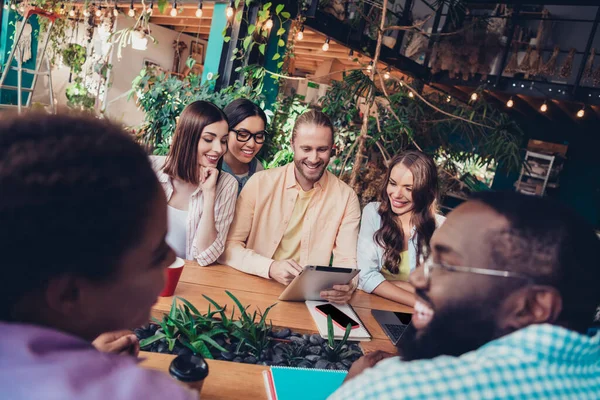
x=42 y=363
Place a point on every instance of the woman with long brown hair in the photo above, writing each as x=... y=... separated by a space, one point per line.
x=395 y=233
x=201 y=198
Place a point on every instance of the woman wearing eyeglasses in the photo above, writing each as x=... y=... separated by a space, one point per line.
x=247 y=123
x=201 y=198
x=395 y=233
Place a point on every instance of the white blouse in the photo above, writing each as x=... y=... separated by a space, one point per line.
x=176 y=237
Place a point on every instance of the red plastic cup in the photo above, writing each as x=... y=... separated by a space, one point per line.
x=173 y=275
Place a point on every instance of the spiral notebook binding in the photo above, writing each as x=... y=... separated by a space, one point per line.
x=312 y=369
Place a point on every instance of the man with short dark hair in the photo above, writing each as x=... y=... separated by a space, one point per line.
x=503 y=304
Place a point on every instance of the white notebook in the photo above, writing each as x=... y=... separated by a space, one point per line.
x=359 y=334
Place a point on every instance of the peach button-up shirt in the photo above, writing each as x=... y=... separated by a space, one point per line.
x=263 y=212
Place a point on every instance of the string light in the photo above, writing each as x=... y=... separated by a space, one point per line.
x=411 y=94
x=229 y=10
x=351 y=55
x=448 y=99
x=370 y=66
x=116 y=11
x=174 y=9
x=325 y=45
x=474 y=96
x=62 y=9
x=510 y=103
x=199 y=10
x=269 y=24
x=581 y=113
x=131 y=12
x=13 y=6
x=99 y=12
x=86 y=13
x=300 y=34
x=544 y=107
x=72 y=12
x=150 y=9
x=386 y=74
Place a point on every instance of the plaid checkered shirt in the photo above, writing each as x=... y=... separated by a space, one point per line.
x=538 y=362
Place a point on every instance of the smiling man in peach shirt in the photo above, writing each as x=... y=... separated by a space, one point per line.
x=296 y=215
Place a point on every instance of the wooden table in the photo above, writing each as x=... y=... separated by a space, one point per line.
x=258 y=292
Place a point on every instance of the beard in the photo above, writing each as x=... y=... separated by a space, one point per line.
x=300 y=167
x=453 y=331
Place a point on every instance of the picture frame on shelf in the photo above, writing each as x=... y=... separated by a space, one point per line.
x=198 y=53
x=149 y=64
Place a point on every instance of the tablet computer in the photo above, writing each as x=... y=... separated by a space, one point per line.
x=313 y=279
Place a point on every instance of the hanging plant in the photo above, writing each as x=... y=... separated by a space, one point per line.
x=74 y=56
x=137 y=36
x=78 y=96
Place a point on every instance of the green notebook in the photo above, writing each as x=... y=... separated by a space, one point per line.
x=286 y=383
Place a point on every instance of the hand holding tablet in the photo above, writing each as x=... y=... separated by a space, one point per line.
x=313 y=281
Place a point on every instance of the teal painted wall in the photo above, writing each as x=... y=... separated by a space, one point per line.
x=215 y=42
x=9 y=18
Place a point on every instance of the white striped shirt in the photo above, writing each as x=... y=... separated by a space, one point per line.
x=227 y=188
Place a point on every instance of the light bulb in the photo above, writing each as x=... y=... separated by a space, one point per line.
x=448 y=99
x=98 y=13
x=370 y=66
x=115 y=12
x=411 y=95
x=72 y=12
x=544 y=107
x=386 y=75
x=131 y=12
x=351 y=55
x=21 y=9
x=580 y=113
x=229 y=12
x=13 y=7
x=150 y=9
x=474 y=96
x=326 y=45
x=199 y=13
x=510 y=103
x=86 y=13
x=62 y=10
x=300 y=34
x=173 y=12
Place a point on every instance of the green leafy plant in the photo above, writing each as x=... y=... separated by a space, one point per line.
x=337 y=351
x=74 y=56
x=198 y=329
x=78 y=96
x=253 y=332
x=169 y=329
x=257 y=38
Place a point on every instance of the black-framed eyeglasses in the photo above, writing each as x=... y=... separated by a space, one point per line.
x=429 y=265
x=242 y=135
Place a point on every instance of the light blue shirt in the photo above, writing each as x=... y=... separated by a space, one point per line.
x=370 y=254
x=537 y=362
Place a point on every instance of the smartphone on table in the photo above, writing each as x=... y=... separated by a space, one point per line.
x=338 y=317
